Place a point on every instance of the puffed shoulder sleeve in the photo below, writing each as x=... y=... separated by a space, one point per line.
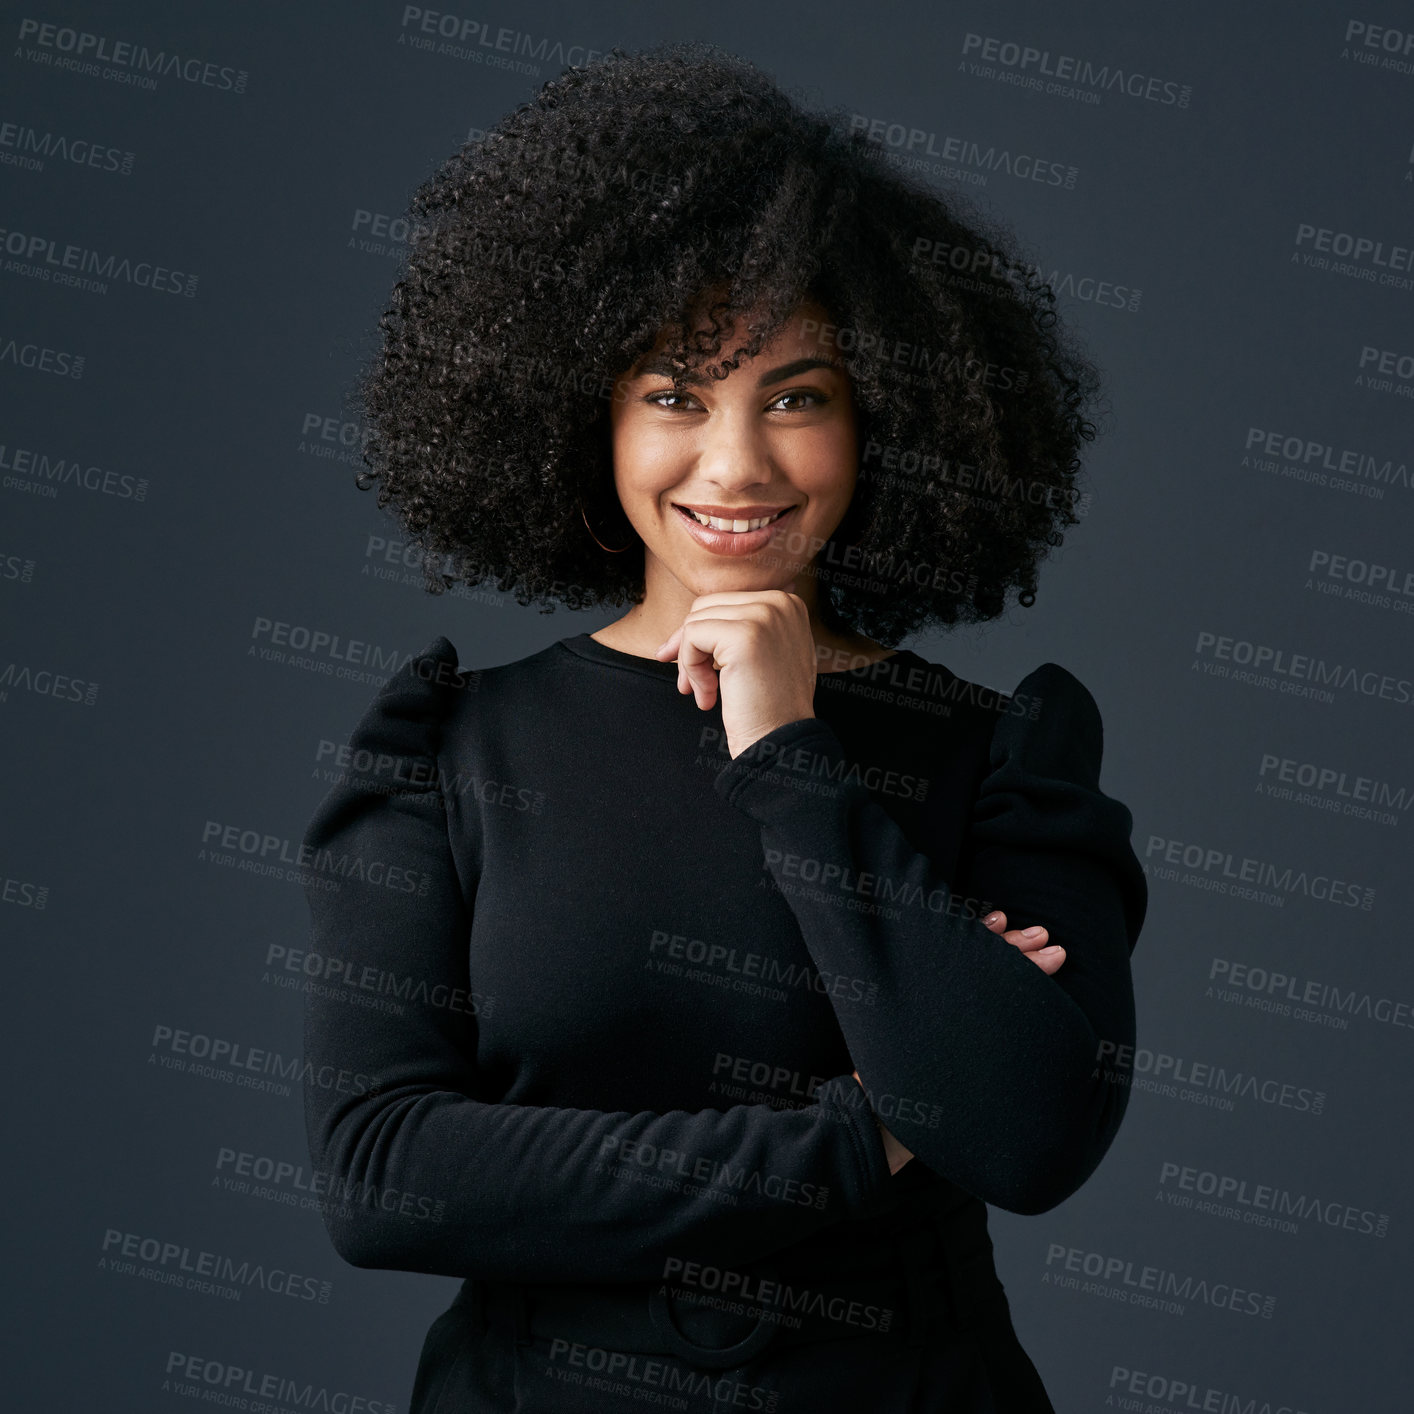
x=1041 y=798
x=425 y=1170
x=394 y=748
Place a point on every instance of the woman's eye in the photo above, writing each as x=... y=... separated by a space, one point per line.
x=798 y=400
x=808 y=397
x=657 y=398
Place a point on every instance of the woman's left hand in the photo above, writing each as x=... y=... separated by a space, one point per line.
x=757 y=648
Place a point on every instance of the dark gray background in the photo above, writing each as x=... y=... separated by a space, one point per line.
x=155 y=600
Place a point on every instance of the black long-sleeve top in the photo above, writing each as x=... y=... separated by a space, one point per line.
x=599 y=987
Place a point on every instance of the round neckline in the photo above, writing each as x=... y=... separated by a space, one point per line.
x=589 y=647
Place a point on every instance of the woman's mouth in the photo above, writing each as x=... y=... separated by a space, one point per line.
x=728 y=533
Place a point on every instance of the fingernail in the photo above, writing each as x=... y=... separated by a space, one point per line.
x=992 y=917
x=1054 y=948
x=1032 y=932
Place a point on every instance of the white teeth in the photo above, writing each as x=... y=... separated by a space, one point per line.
x=717 y=523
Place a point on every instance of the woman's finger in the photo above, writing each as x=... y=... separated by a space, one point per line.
x=697 y=661
x=693 y=677
x=697 y=673
x=1032 y=941
x=1027 y=939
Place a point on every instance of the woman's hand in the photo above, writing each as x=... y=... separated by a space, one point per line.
x=758 y=649
x=1031 y=941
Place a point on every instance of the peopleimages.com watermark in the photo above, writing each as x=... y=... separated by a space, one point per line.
x=1145 y=1393
x=297 y=1185
x=1160 y=1288
x=703 y=1174
x=210 y=1273
x=125 y=61
x=765 y=1298
x=1266 y=1205
x=645 y=1379
x=1303 y=998
x=1199 y=1082
x=223 y=1383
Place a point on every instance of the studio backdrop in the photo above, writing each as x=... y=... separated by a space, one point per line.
x=204 y=214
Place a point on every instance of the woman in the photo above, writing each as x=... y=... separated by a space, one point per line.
x=704 y=1040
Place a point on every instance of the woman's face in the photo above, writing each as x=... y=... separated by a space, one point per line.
x=774 y=439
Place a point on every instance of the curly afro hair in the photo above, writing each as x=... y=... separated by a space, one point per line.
x=626 y=198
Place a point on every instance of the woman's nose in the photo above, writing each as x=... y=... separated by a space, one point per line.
x=733 y=452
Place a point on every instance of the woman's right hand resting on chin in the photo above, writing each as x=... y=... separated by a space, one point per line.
x=1031 y=941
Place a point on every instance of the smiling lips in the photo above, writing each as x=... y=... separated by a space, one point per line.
x=733 y=530
x=735 y=518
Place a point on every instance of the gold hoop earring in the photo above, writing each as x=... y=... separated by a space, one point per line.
x=595 y=538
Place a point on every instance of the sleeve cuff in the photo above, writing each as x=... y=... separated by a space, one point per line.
x=805 y=754
x=844 y=1099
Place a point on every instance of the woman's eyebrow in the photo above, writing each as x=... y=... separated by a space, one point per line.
x=661 y=364
x=800 y=365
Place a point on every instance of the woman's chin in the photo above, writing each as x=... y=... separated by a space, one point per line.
x=739 y=581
